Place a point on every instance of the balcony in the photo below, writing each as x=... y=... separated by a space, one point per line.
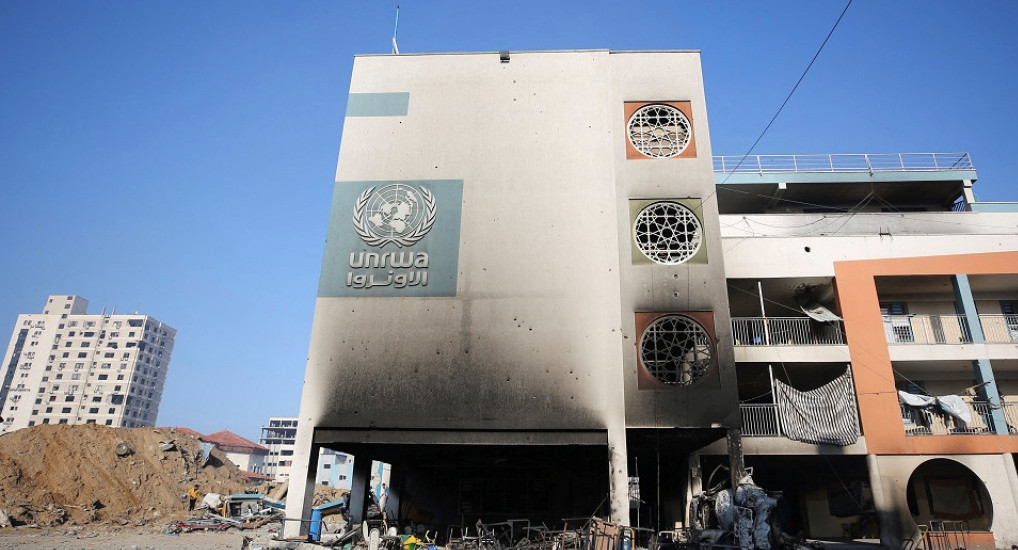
x=785 y=331
x=999 y=329
x=921 y=422
x=760 y=420
x=926 y=329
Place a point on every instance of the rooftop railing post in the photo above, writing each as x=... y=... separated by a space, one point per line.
x=869 y=167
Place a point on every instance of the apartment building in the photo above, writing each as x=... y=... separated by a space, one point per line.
x=66 y=366
x=278 y=437
x=867 y=275
x=334 y=468
x=540 y=287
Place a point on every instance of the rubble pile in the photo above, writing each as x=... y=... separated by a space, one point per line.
x=56 y=474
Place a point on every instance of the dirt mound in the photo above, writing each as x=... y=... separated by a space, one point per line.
x=52 y=474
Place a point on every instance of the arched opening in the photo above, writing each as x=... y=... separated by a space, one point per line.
x=942 y=490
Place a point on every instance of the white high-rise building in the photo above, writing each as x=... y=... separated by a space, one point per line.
x=66 y=366
x=334 y=468
x=279 y=436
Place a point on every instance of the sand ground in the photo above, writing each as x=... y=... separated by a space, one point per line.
x=140 y=538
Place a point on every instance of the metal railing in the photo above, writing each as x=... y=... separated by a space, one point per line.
x=884 y=162
x=933 y=422
x=999 y=329
x=760 y=420
x=926 y=329
x=785 y=331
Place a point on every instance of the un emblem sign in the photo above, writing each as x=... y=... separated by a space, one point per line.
x=399 y=214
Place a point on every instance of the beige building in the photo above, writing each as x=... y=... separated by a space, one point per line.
x=542 y=295
x=66 y=366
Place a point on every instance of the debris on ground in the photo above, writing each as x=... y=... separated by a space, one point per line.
x=88 y=474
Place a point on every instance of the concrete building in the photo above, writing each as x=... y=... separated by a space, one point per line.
x=247 y=455
x=540 y=285
x=334 y=468
x=278 y=437
x=66 y=366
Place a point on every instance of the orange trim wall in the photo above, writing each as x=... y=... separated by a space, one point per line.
x=871 y=360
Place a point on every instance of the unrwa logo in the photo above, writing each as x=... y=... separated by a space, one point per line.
x=398 y=213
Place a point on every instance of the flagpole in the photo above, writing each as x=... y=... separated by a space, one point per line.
x=395 y=28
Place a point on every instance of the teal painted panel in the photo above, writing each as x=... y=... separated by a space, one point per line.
x=998 y=207
x=378 y=104
x=392 y=239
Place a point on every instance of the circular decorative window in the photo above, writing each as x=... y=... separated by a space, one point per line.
x=676 y=350
x=667 y=232
x=659 y=131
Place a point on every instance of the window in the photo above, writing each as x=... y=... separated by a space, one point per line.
x=112 y=410
x=82 y=355
x=676 y=350
x=897 y=322
x=659 y=131
x=667 y=232
x=103 y=376
x=93 y=410
x=97 y=399
x=65 y=410
x=49 y=409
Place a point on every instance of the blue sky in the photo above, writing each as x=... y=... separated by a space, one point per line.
x=177 y=158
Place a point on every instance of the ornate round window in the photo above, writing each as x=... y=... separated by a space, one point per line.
x=667 y=232
x=676 y=350
x=659 y=131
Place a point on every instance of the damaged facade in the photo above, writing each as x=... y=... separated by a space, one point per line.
x=539 y=285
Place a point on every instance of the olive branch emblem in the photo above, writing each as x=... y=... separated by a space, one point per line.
x=368 y=234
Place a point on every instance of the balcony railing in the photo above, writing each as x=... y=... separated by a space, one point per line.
x=900 y=162
x=924 y=422
x=760 y=420
x=785 y=331
x=999 y=329
x=926 y=329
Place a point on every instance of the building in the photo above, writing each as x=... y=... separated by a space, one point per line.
x=278 y=437
x=924 y=279
x=334 y=468
x=66 y=366
x=247 y=455
x=539 y=286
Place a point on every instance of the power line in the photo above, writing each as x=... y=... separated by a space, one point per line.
x=787 y=98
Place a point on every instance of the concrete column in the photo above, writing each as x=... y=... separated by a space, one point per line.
x=397 y=484
x=981 y=367
x=970 y=197
x=887 y=513
x=736 y=460
x=301 y=490
x=359 y=487
x=618 y=474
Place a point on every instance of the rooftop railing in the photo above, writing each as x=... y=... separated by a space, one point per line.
x=893 y=162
